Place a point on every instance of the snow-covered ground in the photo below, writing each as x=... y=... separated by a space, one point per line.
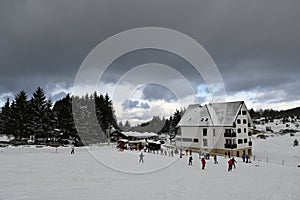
x=276 y=126
x=105 y=173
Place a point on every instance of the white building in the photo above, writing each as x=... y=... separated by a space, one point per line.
x=223 y=128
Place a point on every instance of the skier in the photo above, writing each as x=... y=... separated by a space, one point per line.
x=176 y=151
x=190 y=152
x=190 y=160
x=243 y=157
x=203 y=163
x=230 y=165
x=180 y=155
x=72 y=149
x=215 y=159
x=247 y=158
x=141 y=158
x=296 y=143
x=233 y=162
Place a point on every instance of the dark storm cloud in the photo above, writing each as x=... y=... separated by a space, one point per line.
x=139 y=57
x=145 y=105
x=255 y=44
x=154 y=92
x=130 y=104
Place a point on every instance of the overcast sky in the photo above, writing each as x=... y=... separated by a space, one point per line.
x=255 y=45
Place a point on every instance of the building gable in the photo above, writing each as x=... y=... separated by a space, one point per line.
x=212 y=114
x=196 y=115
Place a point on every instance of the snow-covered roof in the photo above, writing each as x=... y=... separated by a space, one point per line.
x=195 y=115
x=217 y=114
x=138 y=134
x=123 y=140
x=154 y=142
x=5 y=138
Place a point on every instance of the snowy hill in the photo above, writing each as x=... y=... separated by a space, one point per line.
x=105 y=173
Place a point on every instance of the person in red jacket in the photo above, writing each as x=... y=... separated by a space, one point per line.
x=230 y=163
x=203 y=163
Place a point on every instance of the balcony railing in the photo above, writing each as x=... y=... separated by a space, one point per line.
x=233 y=134
x=230 y=146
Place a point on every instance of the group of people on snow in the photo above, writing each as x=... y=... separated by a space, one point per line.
x=245 y=158
x=203 y=162
x=231 y=163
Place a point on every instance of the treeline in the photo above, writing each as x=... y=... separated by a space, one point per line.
x=38 y=117
x=158 y=125
x=275 y=114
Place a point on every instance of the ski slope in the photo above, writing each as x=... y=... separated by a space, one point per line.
x=105 y=173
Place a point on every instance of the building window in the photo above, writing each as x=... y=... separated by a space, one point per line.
x=227 y=130
x=179 y=132
x=238 y=121
x=240 y=141
x=187 y=139
x=245 y=140
x=233 y=141
x=205 y=132
x=244 y=121
x=244 y=112
x=228 y=141
x=245 y=130
x=239 y=130
x=205 y=142
x=196 y=140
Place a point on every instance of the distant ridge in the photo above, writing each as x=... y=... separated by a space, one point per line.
x=290 y=112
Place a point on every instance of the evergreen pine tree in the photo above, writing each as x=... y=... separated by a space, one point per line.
x=173 y=123
x=63 y=112
x=105 y=112
x=127 y=126
x=20 y=115
x=50 y=124
x=38 y=116
x=5 y=118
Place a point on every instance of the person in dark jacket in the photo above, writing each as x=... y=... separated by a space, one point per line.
x=72 y=149
x=203 y=163
x=141 y=158
x=230 y=163
x=190 y=160
x=243 y=157
x=233 y=162
x=215 y=159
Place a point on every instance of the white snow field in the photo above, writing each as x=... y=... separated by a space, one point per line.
x=41 y=174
